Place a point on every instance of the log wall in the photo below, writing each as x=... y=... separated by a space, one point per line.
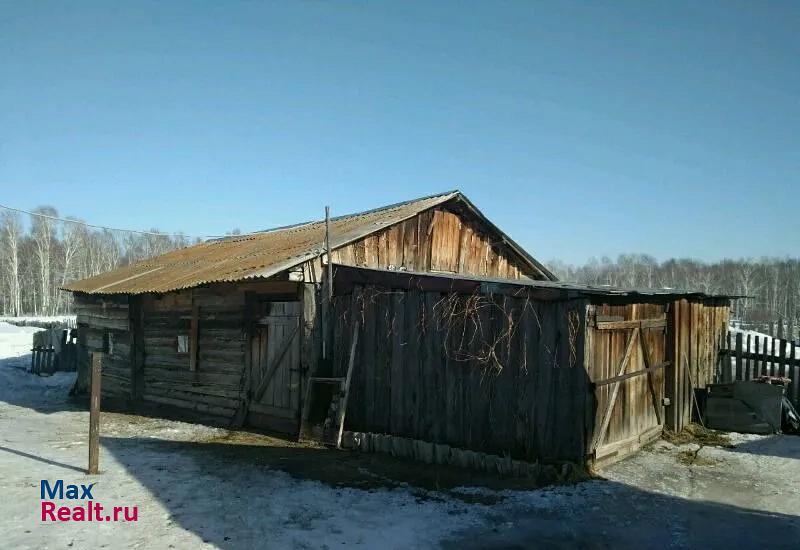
x=213 y=384
x=97 y=317
x=492 y=373
x=146 y=364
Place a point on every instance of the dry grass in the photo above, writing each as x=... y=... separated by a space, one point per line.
x=695 y=433
x=692 y=458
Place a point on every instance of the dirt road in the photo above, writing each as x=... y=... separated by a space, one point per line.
x=196 y=486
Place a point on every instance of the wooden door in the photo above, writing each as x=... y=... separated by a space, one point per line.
x=275 y=367
x=626 y=353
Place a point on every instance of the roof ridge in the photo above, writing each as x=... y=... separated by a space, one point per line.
x=335 y=218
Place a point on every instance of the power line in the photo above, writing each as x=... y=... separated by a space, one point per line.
x=78 y=222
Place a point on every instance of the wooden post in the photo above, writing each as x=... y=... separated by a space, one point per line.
x=781 y=370
x=728 y=374
x=340 y=413
x=748 y=364
x=739 y=361
x=94 y=413
x=773 y=358
x=757 y=358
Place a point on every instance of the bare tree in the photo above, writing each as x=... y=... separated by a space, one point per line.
x=42 y=230
x=11 y=234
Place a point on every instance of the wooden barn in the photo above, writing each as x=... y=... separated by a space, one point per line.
x=464 y=339
x=534 y=369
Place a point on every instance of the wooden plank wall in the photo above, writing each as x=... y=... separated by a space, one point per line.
x=97 y=316
x=696 y=331
x=435 y=240
x=633 y=413
x=426 y=370
x=215 y=386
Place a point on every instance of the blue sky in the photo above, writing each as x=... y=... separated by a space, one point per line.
x=582 y=129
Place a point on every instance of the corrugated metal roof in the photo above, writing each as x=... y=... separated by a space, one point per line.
x=261 y=254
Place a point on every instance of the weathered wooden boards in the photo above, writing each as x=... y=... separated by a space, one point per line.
x=697 y=330
x=490 y=373
x=437 y=453
x=205 y=376
x=275 y=382
x=145 y=362
x=436 y=240
x=625 y=360
x=103 y=321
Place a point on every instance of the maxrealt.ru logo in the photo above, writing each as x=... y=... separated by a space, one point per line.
x=87 y=510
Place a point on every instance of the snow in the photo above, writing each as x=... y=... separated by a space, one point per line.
x=39 y=318
x=194 y=492
x=15 y=341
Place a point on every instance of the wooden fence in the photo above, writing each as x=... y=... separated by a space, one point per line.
x=749 y=356
x=54 y=350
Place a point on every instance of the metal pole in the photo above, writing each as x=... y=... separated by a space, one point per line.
x=329 y=290
x=328 y=248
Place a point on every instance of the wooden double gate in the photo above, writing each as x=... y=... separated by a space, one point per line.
x=625 y=348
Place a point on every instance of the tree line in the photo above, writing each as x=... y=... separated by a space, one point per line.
x=39 y=254
x=771 y=285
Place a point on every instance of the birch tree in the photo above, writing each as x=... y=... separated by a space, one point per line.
x=11 y=234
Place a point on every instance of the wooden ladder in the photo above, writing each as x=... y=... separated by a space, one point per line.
x=333 y=425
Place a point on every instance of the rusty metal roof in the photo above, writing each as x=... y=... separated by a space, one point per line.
x=261 y=254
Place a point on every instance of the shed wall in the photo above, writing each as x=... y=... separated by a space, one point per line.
x=697 y=330
x=159 y=373
x=436 y=240
x=96 y=317
x=493 y=373
x=215 y=386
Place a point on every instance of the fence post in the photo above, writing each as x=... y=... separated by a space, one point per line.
x=94 y=413
x=782 y=371
x=772 y=369
x=728 y=364
x=748 y=363
x=739 y=356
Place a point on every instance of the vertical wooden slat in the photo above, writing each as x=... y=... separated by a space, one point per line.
x=792 y=369
x=748 y=363
x=739 y=360
x=728 y=374
x=757 y=361
x=772 y=360
x=398 y=346
x=670 y=374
